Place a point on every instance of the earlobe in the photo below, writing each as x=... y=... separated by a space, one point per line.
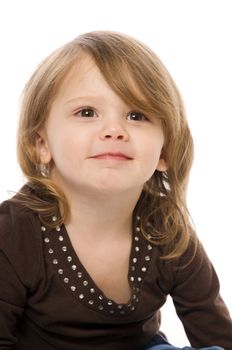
x=162 y=165
x=42 y=149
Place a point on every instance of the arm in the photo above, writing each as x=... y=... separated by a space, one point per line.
x=19 y=264
x=12 y=301
x=198 y=303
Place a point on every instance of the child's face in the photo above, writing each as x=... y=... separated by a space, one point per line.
x=94 y=141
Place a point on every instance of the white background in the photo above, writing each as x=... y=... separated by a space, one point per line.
x=193 y=38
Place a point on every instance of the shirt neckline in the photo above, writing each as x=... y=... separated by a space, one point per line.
x=76 y=279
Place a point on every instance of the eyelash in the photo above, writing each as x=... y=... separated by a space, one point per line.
x=78 y=113
x=92 y=114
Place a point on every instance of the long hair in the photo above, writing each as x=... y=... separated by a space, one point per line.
x=132 y=70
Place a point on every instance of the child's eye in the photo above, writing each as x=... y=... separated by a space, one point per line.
x=136 y=116
x=86 y=112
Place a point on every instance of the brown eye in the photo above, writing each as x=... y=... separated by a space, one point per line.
x=136 y=116
x=86 y=112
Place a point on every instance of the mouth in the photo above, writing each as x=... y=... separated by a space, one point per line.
x=112 y=156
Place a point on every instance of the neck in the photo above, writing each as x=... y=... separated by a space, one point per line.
x=105 y=215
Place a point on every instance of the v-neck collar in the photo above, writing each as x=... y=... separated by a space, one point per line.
x=76 y=279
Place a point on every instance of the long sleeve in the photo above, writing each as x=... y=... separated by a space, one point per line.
x=12 y=301
x=196 y=296
x=17 y=273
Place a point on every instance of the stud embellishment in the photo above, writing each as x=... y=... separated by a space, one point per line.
x=77 y=281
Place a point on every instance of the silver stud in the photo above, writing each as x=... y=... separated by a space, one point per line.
x=120 y=307
x=137 y=300
x=136 y=238
x=134 y=296
x=69 y=258
x=74 y=267
x=73 y=288
x=144 y=269
x=79 y=274
x=64 y=248
x=46 y=240
x=43 y=228
x=109 y=302
x=54 y=218
x=92 y=290
x=85 y=283
x=137 y=249
x=147 y=258
x=66 y=280
x=61 y=238
x=132 y=279
x=57 y=228
x=134 y=260
x=138 y=217
x=50 y=251
x=55 y=261
x=132 y=268
x=60 y=271
x=139 y=279
x=111 y=312
x=137 y=229
x=100 y=297
x=132 y=308
x=90 y=302
x=149 y=247
x=100 y=307
x=81 y=296
x=149 y=236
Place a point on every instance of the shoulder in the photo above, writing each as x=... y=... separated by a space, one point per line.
x=20 y=239
x=16 y=220
x=192 y=262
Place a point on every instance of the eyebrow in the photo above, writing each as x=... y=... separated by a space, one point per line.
x=81 y=98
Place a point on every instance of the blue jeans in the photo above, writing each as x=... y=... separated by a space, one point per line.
x=158 y=343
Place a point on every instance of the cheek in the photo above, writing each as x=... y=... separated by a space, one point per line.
x=67 y=148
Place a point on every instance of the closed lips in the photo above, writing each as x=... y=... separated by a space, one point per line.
x=112 y=155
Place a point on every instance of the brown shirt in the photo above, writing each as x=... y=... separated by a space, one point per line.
x=48 y=300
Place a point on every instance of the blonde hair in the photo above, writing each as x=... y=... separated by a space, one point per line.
x=125 y=63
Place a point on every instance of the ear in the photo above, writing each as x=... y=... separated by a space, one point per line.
x=42 y=148
x=162 y=165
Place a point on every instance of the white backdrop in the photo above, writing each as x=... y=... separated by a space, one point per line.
x=193 y=38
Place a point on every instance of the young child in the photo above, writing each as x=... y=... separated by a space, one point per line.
x=100 y=235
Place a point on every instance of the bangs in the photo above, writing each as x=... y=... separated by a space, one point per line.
x=131 y=69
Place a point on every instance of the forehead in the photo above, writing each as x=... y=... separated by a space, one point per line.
x=85 y=78
x=79 y=77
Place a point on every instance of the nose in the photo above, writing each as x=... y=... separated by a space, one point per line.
x=114 y=131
